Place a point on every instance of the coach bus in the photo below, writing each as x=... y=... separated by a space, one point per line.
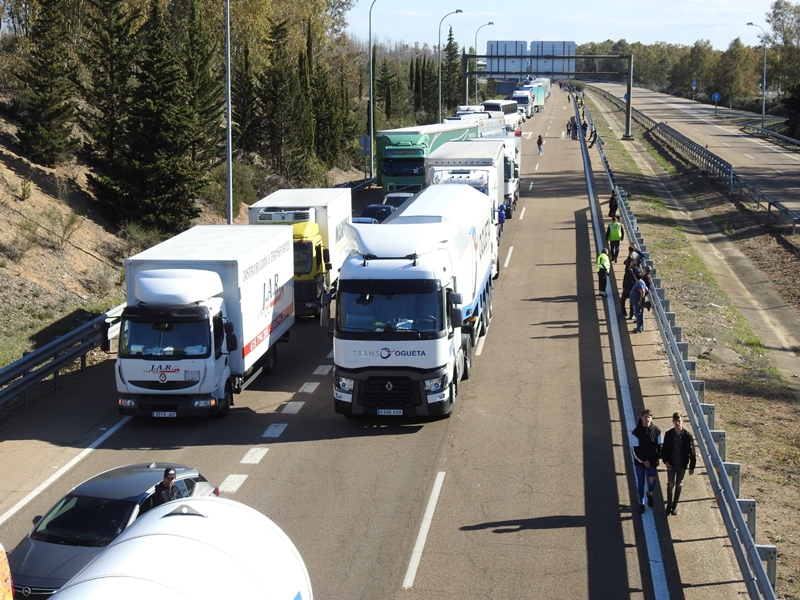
x=509 y=108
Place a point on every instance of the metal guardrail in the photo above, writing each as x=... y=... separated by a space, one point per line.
x=770 y=133
x=357 y=185
x=709 y=162
x=18 y=377
x=723 y=476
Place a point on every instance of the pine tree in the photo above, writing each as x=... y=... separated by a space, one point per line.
x=244 y=98
x=108 y=57
x=386 y=82
x=451 y=76
x=161 y=181
x=48 y=112
x=206 y=93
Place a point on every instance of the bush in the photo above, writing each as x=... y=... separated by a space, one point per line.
x=215 y=194
x=138 y=238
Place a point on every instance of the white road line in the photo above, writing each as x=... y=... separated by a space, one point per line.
x=508 y=257
x=750 y=157
x=416 y=555
x=323 y=369
x=274 y=431
x=522 y=214
x=779 y=171
x=530 y=186
x=292 y=408
x=479 y=347
x=537 y=167
x=724 y=144
x=308 y=387
x=55 y=476
x=254 y=456
x=231 y=484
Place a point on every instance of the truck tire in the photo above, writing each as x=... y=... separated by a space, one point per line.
x=226 y=408
x=466 y=348
x=485 y=320
x=270 y=360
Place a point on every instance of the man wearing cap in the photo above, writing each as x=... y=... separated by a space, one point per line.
x=166 y=490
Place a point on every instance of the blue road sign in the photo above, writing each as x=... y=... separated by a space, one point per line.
x=625 y=96
x=716 y=97
x=694 y=85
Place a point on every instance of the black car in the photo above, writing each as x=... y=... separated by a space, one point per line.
x=378 y=212
x=87 y=520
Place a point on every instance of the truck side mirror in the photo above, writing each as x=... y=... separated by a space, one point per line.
x=456 y=318
x=456 y=298
x=501 y=214
x=105 y=343
x=326 y=256
x=325 y=300
x=516 y=172
x=228 y=327
x=231 y=342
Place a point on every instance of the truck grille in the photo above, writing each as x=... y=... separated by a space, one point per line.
x=388 y=392
x=167 y=385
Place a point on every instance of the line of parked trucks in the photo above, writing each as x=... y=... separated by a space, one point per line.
x=405 y=301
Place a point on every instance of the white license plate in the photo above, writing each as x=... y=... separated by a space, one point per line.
x=390 y=412
x=161 y=413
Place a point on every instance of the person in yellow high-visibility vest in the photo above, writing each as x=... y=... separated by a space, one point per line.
x=603 y=267
x=614 y=235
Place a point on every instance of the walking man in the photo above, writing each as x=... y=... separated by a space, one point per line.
x=614 y=235
x=613 y=204
x=603 y=267
x=638 y=292
x=678 y=454
x=569 y=129
x=646 y=452
x=539 y=143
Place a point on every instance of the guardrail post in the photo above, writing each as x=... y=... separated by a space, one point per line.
x=691 y=367
x=710 y=412
x=700 y=388
x=769 y=554
x=719 y=437
x=677 y=333
x=669 y=316
x=734 y=471
x=748 y=508
x=665 y=305
x=683 y=348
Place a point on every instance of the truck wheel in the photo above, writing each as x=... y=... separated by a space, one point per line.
x=466 y=348
x=497 y=274
x=484 y=320
x=226 y=408
x=270 y=360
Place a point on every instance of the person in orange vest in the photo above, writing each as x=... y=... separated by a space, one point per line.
x=603 y=267
x=614 y=235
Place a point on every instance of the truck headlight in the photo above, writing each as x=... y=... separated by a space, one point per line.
x=345 y=384
x=191 y=375
x=205 y=403
x=128 y=402
x=435 y=385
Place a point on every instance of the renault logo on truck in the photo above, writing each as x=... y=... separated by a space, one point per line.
x=389 y=386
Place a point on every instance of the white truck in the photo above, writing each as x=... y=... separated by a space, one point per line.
x=318 y=217
x=413 y=296
x=480 y=165
x=512 y=149
x=524 y=99
x=204 y=312
x=198 y=548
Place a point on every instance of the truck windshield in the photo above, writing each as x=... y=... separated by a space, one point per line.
x=400 y=167
x=364 y=311
x=303 y=255
x=146 y=338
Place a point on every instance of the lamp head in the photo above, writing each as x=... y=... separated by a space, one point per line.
x=458 y=10
x=750 y=23
x=490 y=23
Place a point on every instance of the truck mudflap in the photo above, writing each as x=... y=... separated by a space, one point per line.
x=388 y=393
x=169 y=407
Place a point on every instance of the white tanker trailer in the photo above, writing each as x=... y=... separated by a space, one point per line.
x=196 y=548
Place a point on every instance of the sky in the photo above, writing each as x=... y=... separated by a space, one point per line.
x=580 y=21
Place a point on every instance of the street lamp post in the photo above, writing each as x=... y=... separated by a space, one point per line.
x=228 y=119
x=371 y=107
x=476 y=60
x=764 y=76
x=458 y=10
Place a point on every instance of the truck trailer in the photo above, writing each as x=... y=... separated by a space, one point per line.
x=413 y=296
x=318 y=217
x=198 y=549
x=512 y=149
x=204 y=312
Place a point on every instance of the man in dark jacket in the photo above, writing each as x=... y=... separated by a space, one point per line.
x=165 y=489
x=678 y=453
x=646 y=452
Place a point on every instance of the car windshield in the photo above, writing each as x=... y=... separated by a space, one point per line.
x=396 y=167
x=84 y=521
x=419 y=312
x=378 y=211
x=153 y=340
x=303 y=254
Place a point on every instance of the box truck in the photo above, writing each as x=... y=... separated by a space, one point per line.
x=199 y=548
x=318 y=217
x=413 y=297
x=479 y=165
x=204 y=312
x=512 y=149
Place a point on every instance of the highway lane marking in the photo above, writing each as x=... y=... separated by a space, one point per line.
x=724 y=144
x=779 y=171
x=55 y=476
x=748 y=156
x=274 y=431
x=416 y=555
x=530 y=186
x=254 y=456
x=522 y=214
x=308 y=387
x=508 y=256
x=323 y=369
x=231 y=484
x=292 y=408
x=537 y=167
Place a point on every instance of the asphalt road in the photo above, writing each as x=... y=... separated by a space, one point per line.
x=534 y=500
x=771 y=166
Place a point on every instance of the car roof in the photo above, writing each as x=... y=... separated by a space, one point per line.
x=129 y=482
